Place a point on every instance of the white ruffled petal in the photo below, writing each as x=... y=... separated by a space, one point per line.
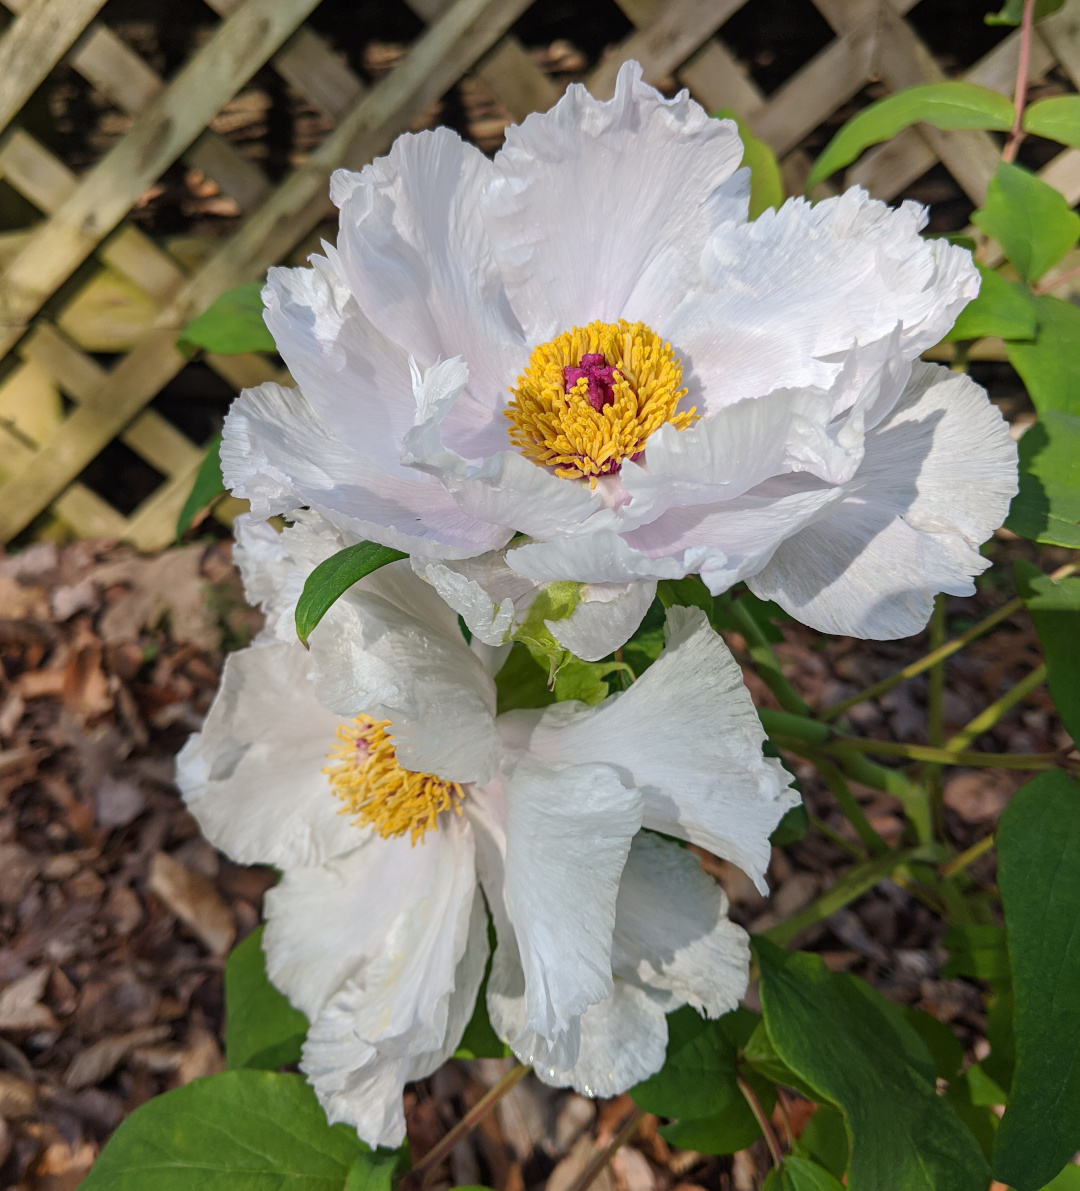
x=277 y=453
x=600 y=557
x=356 y=379
x=391 y=648
x=936 y=480
x=361 y=1084
x=389 y=920
x=415 y=250
x=787 y=295
x=253 y=776
x=687 y=736
x=568 y=832
x=672 y=932
x=601 y=210
x=264 y=565
x=607 y=617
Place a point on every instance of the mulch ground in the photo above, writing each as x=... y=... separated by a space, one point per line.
x=116 y=916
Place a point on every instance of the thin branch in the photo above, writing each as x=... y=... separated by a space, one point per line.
x=822 y=828
x=1016 y=135
x=442 y=1148
x=588 y=1175
x=944 y=756
x=986 y=719
x=1046 y=285
x=762 y=1120
x=851 y=809
x=924 y=663
x=968 y=858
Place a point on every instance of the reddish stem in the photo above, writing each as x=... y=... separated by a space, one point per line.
x=763 y=1121
x=1016 y=135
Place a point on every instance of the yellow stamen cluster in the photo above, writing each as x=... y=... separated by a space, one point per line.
x=561 y=429
x=366 y=776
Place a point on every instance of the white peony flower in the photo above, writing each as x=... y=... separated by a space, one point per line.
x=390 y=814
x=584 y=341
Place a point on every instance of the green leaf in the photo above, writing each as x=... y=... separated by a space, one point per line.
x=1038 y=841
x=976 y=950
x=800 y=1174
x=945 y=105
x=856 y=1050
x=1047 y=507
x=982 y=1089
x=1003 y=308
x=521 y=682
x=1029 y=219
x=791 y=828
x=1054 y=605
x=698 y=1083
x=1013 y=12
x=209 y=485
x=824 y=1140
x=238 y=1131
x=378 y=1170
x=1057 y=119
x=1048 y=366
x=698 y=1076
x=233 y=324
x=685 y=593
x=945 y=1048
x=261 y=1028
x=766 y=185
x=333 y=577
x=1068 y=1180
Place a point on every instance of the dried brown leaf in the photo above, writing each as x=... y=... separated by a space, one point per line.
x=194 y=901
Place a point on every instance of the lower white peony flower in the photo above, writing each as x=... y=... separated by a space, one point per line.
x=390 y=837
x=585 y=341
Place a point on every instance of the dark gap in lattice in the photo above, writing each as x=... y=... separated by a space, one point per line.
x=774 y=38
x=1035 y=152
x=15 y=211
x=349 y=26
x=195 y=401
x=121 y=477
x=950 y=207
x=164 y=35
x=589 y=27
x=954 y=31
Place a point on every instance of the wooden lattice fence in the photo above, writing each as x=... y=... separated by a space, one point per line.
x=59 y=407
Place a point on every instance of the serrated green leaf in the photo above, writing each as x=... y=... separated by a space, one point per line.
x=1029 y=219
x=233 y=324
x=1013 y=12
x=209 y=485
x=854 y=1048
x=1054 y=605
x=949 y=105
x=800 y=1174
x=1056 y=118
x=261 y=1028
x=824 y=1140
x=333 y=577
x=766 y=185
x=1048 y=366
x=1038 y=841
x=238 y=1131
x=1047 y=507
x=1003 y=308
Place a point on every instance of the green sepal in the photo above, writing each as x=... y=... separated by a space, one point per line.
x=233 y=324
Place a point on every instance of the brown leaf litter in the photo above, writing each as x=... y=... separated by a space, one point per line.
x=116 y=916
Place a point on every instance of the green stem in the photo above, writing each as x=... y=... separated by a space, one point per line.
x=968 y=858
x=935 y=726
x=944 y=756
x=761 y=652
x=763 y=1121
x=854 y=883
x=822 y=828
x=985 y=720
x=601 y=1160
x=851 y=809
x=933 y=658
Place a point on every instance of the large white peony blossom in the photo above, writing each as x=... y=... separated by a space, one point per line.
x=389 y=815
x=584 y=341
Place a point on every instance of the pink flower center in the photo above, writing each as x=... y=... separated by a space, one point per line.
x=600 y=376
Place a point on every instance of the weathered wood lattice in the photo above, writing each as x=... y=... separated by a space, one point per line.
x=59 y=407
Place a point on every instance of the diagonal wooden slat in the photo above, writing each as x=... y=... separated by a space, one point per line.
x=106 y=192
x=39 y=37
x=447 y=49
